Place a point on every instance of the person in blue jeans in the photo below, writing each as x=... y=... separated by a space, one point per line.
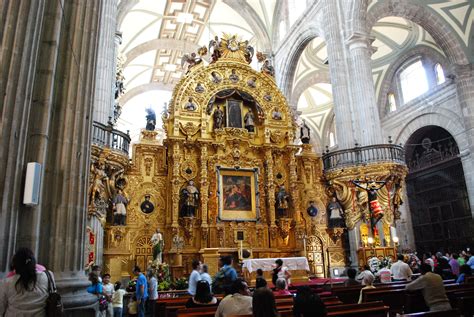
x=141 y=291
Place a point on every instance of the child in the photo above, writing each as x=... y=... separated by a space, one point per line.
x=117 y=300
x=132 y=307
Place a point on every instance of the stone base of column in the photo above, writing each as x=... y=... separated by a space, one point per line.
x=77 y=302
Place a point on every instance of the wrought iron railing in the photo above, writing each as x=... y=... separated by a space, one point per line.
x=364 y=155
x=106 y=136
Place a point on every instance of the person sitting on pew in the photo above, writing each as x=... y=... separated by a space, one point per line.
x=259 y=273
x=351 y=280
x=307 y=303
x=260 y=282
x=237 y=303
x=263 y=303
x=203 y=297
x=368 y=281
x=281 y=287
x=432 y=287
x=464 y=272
x=384 y=274
x=364 y=273
x=400 y=270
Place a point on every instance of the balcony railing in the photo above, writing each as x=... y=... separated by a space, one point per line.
x=106 y=136
x=364 y=155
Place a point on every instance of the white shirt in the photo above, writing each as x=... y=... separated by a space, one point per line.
x=236 y=304
x=362 y=274
x=26 y=303
x=401 y=271
x=117 y=298
x=207 y=277
x=153 y=288
x=108 y=289
x=385 y=275
x=193 y=279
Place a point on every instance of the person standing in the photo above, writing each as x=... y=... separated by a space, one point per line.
x=194 y=277
x=117 y=299
x=432 y=287
x=141 y=291
x=25 y=293
x=454 y=264
x=152 y=292
x=205 y=275
x=400 y=270
x=108 y=290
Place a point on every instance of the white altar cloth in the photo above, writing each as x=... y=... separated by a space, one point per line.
x=268 y=264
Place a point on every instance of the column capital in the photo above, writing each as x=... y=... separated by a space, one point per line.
x=360 y=40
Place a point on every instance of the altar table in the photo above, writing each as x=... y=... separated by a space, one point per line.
x=298 y=266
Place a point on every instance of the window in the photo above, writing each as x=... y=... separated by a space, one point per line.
x=439 y=74
x=392 y=104
x=413 y=81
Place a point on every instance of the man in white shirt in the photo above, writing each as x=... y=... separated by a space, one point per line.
x=194 y=277
x=239 y=303
x=432 y=288
x=400 y=270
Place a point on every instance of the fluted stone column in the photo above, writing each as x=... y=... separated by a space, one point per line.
x=346 y=124
x=20 y=23
x=465 y=91
x=363 y=102
x=106 y=59
x=49 y=51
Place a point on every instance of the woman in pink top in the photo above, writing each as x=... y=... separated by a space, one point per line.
x=280 y=287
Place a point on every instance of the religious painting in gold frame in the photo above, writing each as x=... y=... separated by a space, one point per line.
x=238 y=194
x=234 y=113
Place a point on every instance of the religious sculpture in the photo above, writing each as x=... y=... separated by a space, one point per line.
x=189 y=200
x=233 y=76
x=312 y=209
x=191 y=60
x=147 y=206
x=216 y=78
x=376 y=211
x=249 y=121
x=282 y=202
x=218 y=118
x=249 y=51
x=252 y=82
x=276 y=114
x=119 y=205
x=268 y=69
x=397 y=200
x=335 y=214
x=305 y=133
x=97 y=190
x=199 y=88
x=158 y=244
x=190 y=105
x=214 y=49
x=150 y=119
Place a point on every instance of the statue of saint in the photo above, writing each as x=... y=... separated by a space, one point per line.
x=190 y=200
x=252 y=82
x=233 y=76
x=268 y=69
x=216 y=78
x=218 y=118
x=249 y=121
x=305 y=133
x=376 y=211
x=150 y=120
x=335 y=214
x=199 y=88
x=147 y=206
x=120 y=208
x=190 y=105
x=98 y=189
x=282 y=202
x=158 y=244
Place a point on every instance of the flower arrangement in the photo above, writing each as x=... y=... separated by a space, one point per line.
x=162 y=273
x=377 y=263
x=132 y=286
x=180 y=283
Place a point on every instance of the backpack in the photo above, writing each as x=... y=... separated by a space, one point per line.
x=222 y=281
x=54 y=305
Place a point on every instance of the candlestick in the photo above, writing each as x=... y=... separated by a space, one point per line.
x=356 y=237
x=240 y=252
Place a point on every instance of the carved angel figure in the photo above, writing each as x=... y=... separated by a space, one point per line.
x=191 y=60
x=214 y=49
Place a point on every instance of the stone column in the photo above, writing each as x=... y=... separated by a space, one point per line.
x=465 y=91
x=363 y=102
x=106 y=60
x=20 y=31
x=64 y=198
x=346 y=125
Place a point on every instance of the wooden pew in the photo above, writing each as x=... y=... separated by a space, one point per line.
x=447 y=313
x=373 y=309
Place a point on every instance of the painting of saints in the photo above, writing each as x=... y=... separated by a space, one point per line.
x=237 y=193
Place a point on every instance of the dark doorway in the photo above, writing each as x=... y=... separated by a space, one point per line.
x=437 y=194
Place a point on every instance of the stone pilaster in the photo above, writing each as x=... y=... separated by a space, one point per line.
x=465 y=91
x=106 y=60
x=363 y=92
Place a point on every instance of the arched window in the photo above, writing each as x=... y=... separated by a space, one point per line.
x=392 y=104
x=439 y=74
x=413 y=81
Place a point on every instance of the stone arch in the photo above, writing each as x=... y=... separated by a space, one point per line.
x=358 y=9
x=435 y=25
x=394 y=68
x=313 y=78
x=293 y=49
x=143 y=88
x=449 y=121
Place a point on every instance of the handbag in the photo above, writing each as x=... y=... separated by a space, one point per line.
x=54 y=304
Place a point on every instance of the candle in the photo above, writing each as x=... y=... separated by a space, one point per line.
x=356 y=237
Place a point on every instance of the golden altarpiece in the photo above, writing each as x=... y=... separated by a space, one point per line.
x=228 y=175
